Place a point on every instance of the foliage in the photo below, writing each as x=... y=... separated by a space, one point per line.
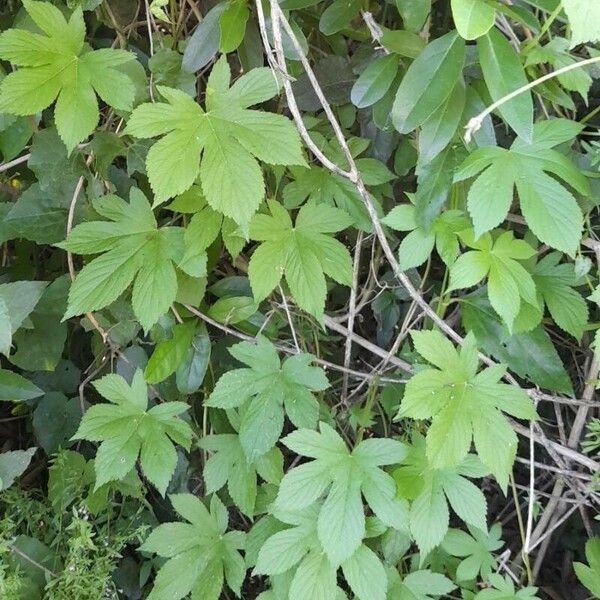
x=291 y=294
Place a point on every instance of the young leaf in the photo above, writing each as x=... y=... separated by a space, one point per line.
x=133 y=249
x=510 y=285
x=267 y=389
x=303 y=252
x=201 y=554
x=476 y=550
x=418 y=244
x=58 y=65
x=229 y=136
x=348 y=476
x=299 y=546
x=504 y=589
x=127 y=429
x=464 y=406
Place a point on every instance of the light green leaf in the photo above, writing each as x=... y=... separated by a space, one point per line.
x=58 y=66
x=229 y=136
x=473 y=18
x=584 y=18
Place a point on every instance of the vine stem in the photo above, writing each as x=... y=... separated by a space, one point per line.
x=475 y=123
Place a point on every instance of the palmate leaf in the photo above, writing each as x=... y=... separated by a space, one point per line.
x=551 y=211
x=417 y=246
x=346 y=477
x=298 y=549
x=229 y=465
x=302 y=252
x=476 y=550
x=127 y=429
x=464 y=406
x=511 y=288
x=58 y=65
x=431 y=490
x=201 y=554
x=134 y=250
x=229 y=136
x=266 y=391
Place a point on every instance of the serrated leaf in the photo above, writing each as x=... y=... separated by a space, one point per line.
x=465 y=406
x=341 y=522
x=228 y=136
x=265 y=391
x=135 y=250
x=128 y=429
x=56 y=65
x=304 y=254
x=200 y=554
x=584 y=18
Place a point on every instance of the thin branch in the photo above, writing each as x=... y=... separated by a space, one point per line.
x=475 y=123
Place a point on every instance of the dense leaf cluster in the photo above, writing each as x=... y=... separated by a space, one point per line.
x=299 y=299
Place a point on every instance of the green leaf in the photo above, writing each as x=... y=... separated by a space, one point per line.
x=169 y=354
x=13 y=465
x=228 y=135
x=428 y=82
x=555 y=283
x=431 y=489
x=266 y=390
x=303 y=253
x=200 y=554
x=417 y=246
x=338 y=15
x=374 y=81
x=57 y=65
x=232 y=25
x=127 y=429
x=584 y=19
x=464 y=405
x=510 y=286
x=341 y=522
x=473 y=18
x=135 y=250
x=503 y=74
x=15 y=388
x=475 y=550
x=590 y=575
x=230 y=465
x=365 y=574
x=17 y=301
x=440 y=127
x=530 y=355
